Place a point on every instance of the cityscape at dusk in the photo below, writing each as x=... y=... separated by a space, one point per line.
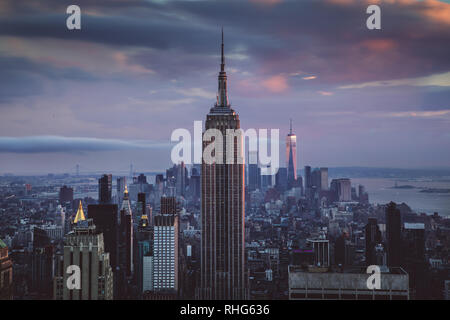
x=225 y=150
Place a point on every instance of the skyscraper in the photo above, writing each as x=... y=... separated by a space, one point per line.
x=121 y=182
x=373 y=238
x=393 y=235
x=254 y=172
x=194 y=184
x=341 y=189
x=6 y=273
x=324 y=178
x=84 y=247
x=180 y=179
x=42 y=262
x=223 y=273
x=308 y=182
x=126 y=235
x=144 y=245
x=316 y=179
x=281 y=179
x=291 y=157
x=413 y=249
x=141 y=204
x=168 y=205
x=105 y=189
x=65 y=194
x=105 y=220
x=165 y=242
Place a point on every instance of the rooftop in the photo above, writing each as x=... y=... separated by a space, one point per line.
x=416 y=226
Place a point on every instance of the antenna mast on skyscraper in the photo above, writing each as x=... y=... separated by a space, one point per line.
x=222 y=66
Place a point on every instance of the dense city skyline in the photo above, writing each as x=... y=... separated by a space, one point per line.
x=102 y=98
x=221 y=228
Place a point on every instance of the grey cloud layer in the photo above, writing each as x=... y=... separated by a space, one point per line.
x=317 y=35
x=44 y=144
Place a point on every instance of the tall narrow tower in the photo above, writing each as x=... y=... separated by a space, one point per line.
x=291 y=157
x=223 y=273
x=126 y=233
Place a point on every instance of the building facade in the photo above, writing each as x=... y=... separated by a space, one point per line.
x=165 y=253
x=105 y=189
x=223 y=273
x=84 y=248
x=6 y=273
x=348 y=285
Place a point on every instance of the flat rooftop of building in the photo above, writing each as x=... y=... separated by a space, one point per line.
x=351 y=270
x=416 y=226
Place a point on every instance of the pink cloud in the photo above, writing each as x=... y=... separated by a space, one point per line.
x=379 y=44
x=325 y=93
x=437 y=11
x=276 y=84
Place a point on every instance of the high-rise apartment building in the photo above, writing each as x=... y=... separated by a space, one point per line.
x=165 y=248
x=147 y=273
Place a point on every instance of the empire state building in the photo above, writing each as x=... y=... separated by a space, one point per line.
x=223 y=274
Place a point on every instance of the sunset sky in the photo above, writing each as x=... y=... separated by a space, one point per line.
x=113 y=92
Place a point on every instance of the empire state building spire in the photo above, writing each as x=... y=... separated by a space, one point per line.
x=223 y=262
x=222 y=96
x=222 y=65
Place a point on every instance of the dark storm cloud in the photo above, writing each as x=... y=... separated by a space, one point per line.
x=22 y=77
x=113 y=30
x=317 y=36
x=332 y=38
x=45 y=144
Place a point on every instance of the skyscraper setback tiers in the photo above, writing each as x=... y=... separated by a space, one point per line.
x=84 y=248
x=223 y=273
